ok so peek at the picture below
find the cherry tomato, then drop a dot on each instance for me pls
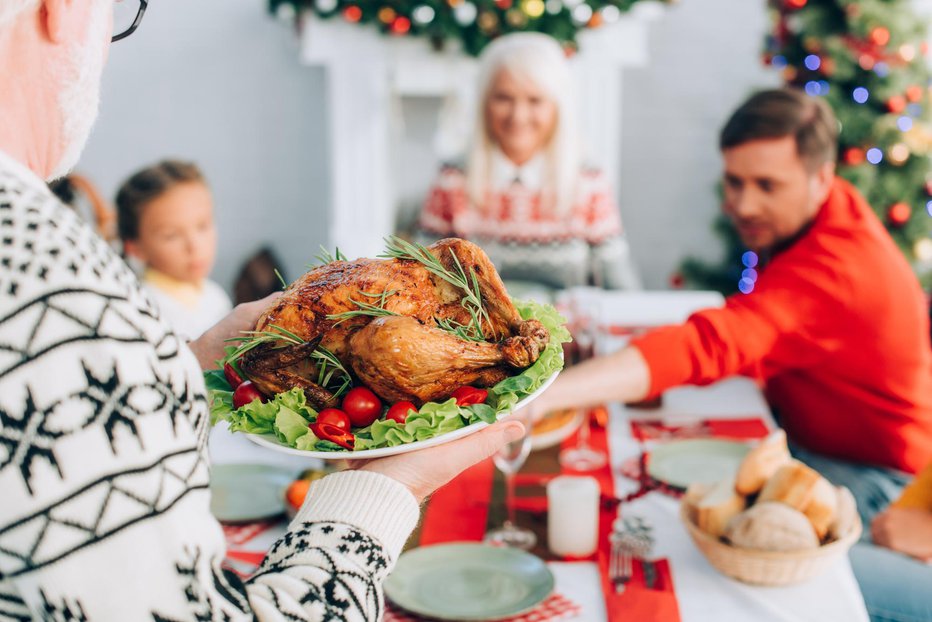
(466, 396)
(399, 411)
(362, 405)
(335, 417)
(232, 376)
(246, 393)
(327, 432)
(296, 493)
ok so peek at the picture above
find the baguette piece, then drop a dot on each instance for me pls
(694, 494)
(772, 526)
(761, 463)
(793, 484)
(719, 506)
(822, 508)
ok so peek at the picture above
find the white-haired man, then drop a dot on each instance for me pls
(103, 464)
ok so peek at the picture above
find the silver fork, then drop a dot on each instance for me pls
(635, 536)
(620, 565)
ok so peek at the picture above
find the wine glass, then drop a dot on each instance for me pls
(583, 457)
(509, 460)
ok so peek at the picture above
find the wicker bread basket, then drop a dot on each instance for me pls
(768, 567)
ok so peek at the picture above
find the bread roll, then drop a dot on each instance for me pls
(719, 506)
(793, 484)
(822, 508)
(761, 463)
(772, 526)
(694, 494)
(846, 515)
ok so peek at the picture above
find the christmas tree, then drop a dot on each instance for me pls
(470, 23)
(867, 59)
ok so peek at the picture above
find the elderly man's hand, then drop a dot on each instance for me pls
(906, 530)
(210, 346)
(424, 471)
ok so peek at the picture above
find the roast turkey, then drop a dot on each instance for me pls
(407, 351)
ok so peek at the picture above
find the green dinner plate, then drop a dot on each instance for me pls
(247, 492)
(680, 463)
(467, 581)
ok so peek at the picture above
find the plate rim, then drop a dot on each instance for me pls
(270, 441)
(689, 441)
(474, 545)
(270, 470)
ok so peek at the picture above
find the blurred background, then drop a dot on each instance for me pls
(316, 131)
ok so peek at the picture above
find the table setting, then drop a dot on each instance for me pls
(583, 525)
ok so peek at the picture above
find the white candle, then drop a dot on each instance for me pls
(573, 515)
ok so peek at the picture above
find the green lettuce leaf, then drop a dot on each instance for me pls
(287, 415)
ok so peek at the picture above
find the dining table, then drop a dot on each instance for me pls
(701, 592)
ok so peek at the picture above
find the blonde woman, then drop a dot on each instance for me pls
(525, 195)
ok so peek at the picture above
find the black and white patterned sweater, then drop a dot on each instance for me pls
(103, 456)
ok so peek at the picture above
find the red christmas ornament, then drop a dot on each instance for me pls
(914, 93)
(896, 104)
(352, 14)
(401, 25)
(795, 4)
(880, 36)
(677, 281)
(854, 156)
(503, 4)
(899, 214)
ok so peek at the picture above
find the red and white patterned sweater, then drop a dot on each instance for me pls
(527, 242)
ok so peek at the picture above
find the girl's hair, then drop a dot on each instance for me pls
(147, 185)
(539, 59)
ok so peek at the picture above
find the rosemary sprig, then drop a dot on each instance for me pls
(396, 248)
(324, 256)
(254, 338)
(463, 332)
(281, 279)
(329, 365)
(365, 308)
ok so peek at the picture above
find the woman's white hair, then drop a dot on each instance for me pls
(539, 59)
(10, 9)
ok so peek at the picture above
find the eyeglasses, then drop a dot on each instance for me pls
(127, 14)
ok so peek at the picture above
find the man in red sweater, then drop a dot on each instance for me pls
(836, 327)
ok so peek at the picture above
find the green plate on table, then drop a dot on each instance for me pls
(242, 493)
(467, 581)
(680, 463)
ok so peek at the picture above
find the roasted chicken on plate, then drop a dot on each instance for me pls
(390, 322)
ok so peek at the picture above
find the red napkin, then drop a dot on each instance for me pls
(748, 428)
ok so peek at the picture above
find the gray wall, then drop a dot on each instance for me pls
(219, 82)
(704, 59)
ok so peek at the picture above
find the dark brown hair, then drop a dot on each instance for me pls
(786, 112)
(147, 185)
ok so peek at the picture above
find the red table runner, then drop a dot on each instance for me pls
(468, 506)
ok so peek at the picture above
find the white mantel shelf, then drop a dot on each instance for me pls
(368, 73)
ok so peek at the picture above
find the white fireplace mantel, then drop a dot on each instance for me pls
(368, 74)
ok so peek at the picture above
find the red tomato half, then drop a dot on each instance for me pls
(335, 417)
(327, 432)
(399, 411)
(232, 376)
(467, 396)
(246, 393)
(362, 405)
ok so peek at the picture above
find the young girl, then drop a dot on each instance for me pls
(165, 220)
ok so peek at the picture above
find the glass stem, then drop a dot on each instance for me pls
(510, 497)
(582, 440)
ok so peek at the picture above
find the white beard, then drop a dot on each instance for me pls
(79, 97)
